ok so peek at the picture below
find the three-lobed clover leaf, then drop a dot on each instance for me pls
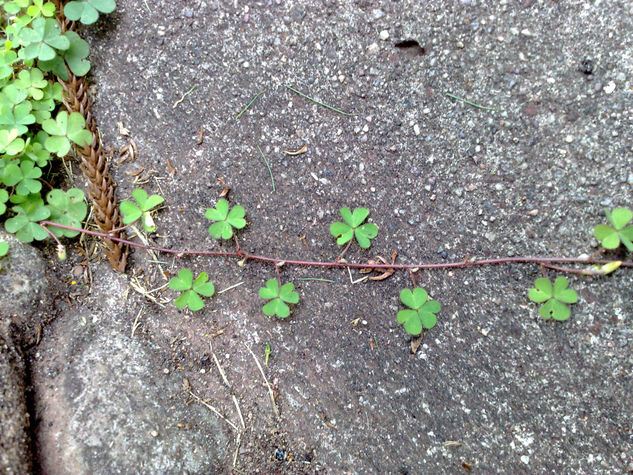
(422, 311)
(42, 39)
(554, 298)
(7, 58)
(611, 236)
(75, 57)
(67, 208)
(63, 128)
(25, 176)
(36, 152)
(226, 220)
(14, 6)
(87, 11)
(10, 142)
(280, 298)
(42, 109)
(25, 223)
(191, 289)
(39, 7)
(353, 227)
(132, 212)
(15, 111)
(32, 81)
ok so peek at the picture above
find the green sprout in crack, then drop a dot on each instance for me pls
(611, 236)
(421, 312)
(280, 298)
(191, 289)
(353, 227)
(225, 220)
(553, 298)
(132, 212)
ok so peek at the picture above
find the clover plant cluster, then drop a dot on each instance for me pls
(420, 312)
(34, 127)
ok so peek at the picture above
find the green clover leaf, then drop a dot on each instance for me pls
(554, 297)
(24, 175)
(75, 56)
(4, 248)
(280, 297)
(42, 40)
(611, 236)
(4, 196)
(15, 6)
(42, 109)
(40, 8)
(66, 208)
(17, 116)
(36, 152)
(63, 128)
(191, 290)
(87, 11)
(7, 58)
(13, 95)
(226, 220)
(132, 212)
(32, 81)
(422, 313)
(25, 223)
(353, 227)
(10, 143)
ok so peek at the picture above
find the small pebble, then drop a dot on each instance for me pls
(384, 35)
(416, 129)
(154, 433)
(609, 88)
(526, 32)
(569, 139)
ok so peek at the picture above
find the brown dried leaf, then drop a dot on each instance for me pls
(200, 136)
(122, 130)
(171, 169)
(383, 276)
(300, 151)
(415, 344)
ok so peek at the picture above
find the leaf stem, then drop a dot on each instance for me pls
(338, 259)
(352, 265)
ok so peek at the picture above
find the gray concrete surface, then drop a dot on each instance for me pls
(493, 387)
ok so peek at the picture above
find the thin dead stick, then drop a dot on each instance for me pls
(270, 389)
(136, 324)
(202, 402)
(228, 288)
(238, 441)
(226, 382)
(241, 254)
